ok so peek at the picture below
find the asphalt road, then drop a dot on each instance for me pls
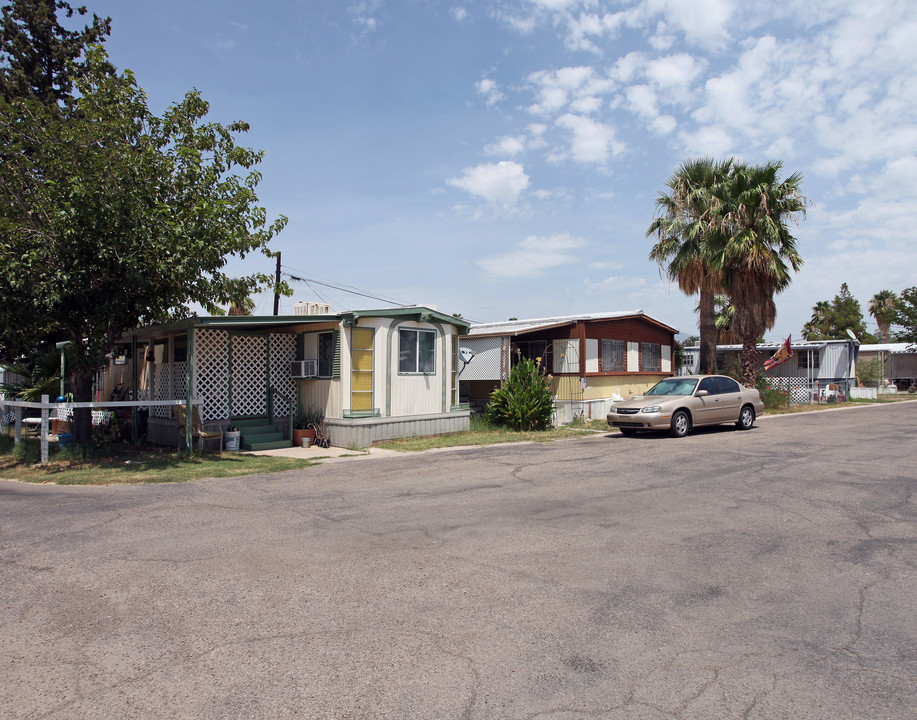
(756, 575)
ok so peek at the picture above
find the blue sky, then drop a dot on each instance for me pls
(502, 159)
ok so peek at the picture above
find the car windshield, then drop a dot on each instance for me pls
(674, 386)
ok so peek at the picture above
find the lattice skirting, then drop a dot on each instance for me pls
(798, 387)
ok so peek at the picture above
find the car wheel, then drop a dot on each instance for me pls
(746, 418)
(680, 424)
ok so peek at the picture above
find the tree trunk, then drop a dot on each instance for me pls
(81, 382)
(707, 327)
(884, 327)
(749, 361)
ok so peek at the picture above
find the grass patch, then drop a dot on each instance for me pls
(483, 432)
(128, 465)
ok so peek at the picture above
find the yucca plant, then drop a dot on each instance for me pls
(525, 401)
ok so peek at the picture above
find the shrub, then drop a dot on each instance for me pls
(525, 401)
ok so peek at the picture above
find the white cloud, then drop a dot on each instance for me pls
(364, 16)
(581, 87)
(507, 146)
(708, 141)
(459, 13)
(674, 74)
(533, 256)
(488, 88)
(592, 141)
(499, 184)
(703, 22)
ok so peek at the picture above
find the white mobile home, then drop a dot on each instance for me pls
(376, 374)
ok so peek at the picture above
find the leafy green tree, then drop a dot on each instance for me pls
(757, 252)
(869, 372)
(906, 315)
(882, 307)
(525, 401)
(687, 218)
(38, 56)
(830, 321)
(111, 217)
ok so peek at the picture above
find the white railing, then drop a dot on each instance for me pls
(46, 407)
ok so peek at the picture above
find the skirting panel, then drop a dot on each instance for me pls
(363, 432)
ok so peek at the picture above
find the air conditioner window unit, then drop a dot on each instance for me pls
(304, 368)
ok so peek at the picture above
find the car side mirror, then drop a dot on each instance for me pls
(702, 393)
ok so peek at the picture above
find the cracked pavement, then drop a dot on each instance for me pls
(749, 575)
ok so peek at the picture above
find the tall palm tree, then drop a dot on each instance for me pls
(686, 218)
(884, 308)
(758, 252)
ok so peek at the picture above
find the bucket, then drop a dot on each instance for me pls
(232, 440)
(306, 442)
(63, 439)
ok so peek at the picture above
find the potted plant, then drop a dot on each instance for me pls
(305, 424)
(322, 439)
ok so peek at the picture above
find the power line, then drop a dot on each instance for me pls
(343, 288)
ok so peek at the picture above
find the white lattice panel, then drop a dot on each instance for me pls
(168, 384)
(283, 352)
(211, 382)
(798, 387)
(249, 375)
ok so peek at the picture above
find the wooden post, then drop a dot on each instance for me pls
(189, 391)
(44, 429)
(277, 287)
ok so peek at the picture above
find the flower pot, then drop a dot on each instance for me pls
(298, 436)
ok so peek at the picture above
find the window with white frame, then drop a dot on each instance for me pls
(650, 357)
(807, 359)
(416, 351)
(614, 355)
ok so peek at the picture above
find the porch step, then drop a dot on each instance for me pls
(271, 445)
(259, 435)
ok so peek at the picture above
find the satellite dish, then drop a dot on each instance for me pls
(852, 336)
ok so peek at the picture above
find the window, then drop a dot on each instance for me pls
(650, 357)
(614, 356)
(805, 357)
(708, 384)
(325, 354)
(361, 369)
(531, 349)
(417, 351)
(726, 385)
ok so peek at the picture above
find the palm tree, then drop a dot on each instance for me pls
(884, 308)
(818, 325)
(758, 251)
(236, 292)
(686, 218)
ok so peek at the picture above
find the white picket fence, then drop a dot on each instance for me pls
(864, 393)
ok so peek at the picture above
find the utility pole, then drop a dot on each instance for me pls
(277, 288)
